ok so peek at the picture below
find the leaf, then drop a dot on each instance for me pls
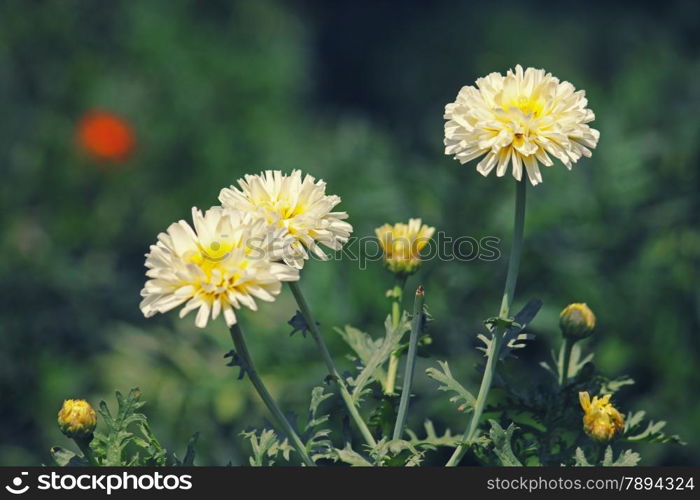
(627, 458)
(513, 338)
(110, 446)
(389, 452)
(349, 456)
(379, 355)
(188, 460)
(383, 416)
(464, 399)
(155, 454)
(576, 362)
(580, 459)
(432, 440)
(316, 438)
(129, 440)
(236, 360)
(611, 386)
(62, 458)
(652, 433)
(298, 324)
(501, 444)
(266, 447)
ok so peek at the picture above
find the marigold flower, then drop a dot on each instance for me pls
(77, 419)
(601, 421)
(224, 263)
(520, 119)
(402, 244)
(105, 136)
(300, 205)
(577, 321)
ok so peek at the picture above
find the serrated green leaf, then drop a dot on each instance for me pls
(464, 399)
(316, 438)
(266, 447)
(383, 349)
(501, 444)
(62, 458)
(628, 458)
(580, 459)
(432, 439)
(349, 456)
(635, 430)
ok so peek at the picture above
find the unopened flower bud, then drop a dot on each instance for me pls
(601, 420)
(402, 245)
(577, 321)
(77, 419)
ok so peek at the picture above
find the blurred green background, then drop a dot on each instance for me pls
(352, 92)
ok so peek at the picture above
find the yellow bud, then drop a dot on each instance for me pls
(577, 321)
(402, 244)
(77, 419)
(601, 420)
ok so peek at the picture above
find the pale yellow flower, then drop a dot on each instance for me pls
(77, 419)
(402, 244)
(601, 421)
(298, 204)
(224, 263)
(521, 119)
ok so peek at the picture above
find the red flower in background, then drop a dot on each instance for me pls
(105, 136)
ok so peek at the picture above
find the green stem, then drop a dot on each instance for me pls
(330, 365)
(283, 423)
(84, 445)
(416, 328)
(397, 294)
(568, 346)
(506, 302)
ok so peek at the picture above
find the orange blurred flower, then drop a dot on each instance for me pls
(105, 136)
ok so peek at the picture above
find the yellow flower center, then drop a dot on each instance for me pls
(527, 105)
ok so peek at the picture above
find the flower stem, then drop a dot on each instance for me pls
(568, 346)
(397, 294)
(84, 445)
(506, 302)
(330, 364)
(249, 367)
(416, 328)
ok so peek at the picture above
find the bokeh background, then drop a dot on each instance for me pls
(352, 92)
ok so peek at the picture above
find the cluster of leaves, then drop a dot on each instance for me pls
(127, 440)
(543, 423)
(528, 424)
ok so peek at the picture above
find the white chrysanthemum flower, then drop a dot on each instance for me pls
(521, 119)
(297, 204)
(224, 263)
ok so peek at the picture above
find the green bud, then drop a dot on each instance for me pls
(577, 321)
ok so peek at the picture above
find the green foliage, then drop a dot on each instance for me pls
(652, 433)
(627, 458)
(464, 399)
(316, 434)
(374, 354)
(213, 90)
(432, 440)
(266, 447)
(127, 441)
(501, 439)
